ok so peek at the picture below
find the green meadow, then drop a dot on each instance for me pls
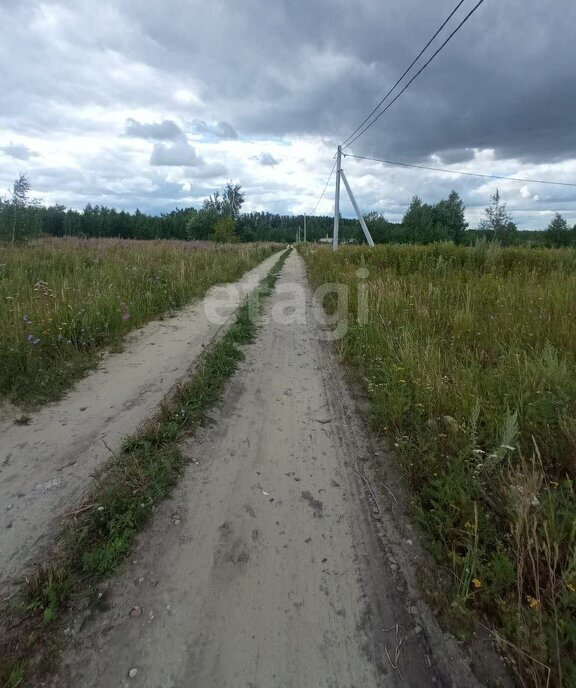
(468, 356)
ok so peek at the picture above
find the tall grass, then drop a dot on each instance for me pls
(63, 301)
(469, 359)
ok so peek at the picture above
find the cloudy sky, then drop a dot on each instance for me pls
(140, 103)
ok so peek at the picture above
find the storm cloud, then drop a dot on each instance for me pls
(118, 96)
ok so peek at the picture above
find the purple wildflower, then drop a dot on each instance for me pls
(125, 313)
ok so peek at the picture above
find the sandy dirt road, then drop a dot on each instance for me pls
(46, 465)
(264, 570)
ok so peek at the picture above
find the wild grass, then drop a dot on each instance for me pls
(99, 533)
(469, 359)
(64, 301)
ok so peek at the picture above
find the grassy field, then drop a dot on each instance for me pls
(469, 359)
(63, 301)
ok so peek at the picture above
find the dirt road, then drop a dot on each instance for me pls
(265, 570)
(45, 465)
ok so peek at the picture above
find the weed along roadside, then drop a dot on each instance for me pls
(468, 357)
(98, 533)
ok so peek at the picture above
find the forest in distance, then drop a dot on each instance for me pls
(221, 219)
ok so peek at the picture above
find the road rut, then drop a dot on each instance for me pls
(264, 570)
(46, 465)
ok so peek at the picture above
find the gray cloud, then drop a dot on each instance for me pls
(18, 151)
(217, 130)
(266, 159)
(180, 154)
(167, 130)
(456, 155)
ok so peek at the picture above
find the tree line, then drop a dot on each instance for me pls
(221, 219)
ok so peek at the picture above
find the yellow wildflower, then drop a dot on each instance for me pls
(533, 602)
(476, 583)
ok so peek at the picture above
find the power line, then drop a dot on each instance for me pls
(365, 129)
(467, 174)
(325, 187)
(407, 70)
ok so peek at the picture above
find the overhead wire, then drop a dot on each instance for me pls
(407, 70)
(366, 124)
(460, 25)
(325, 187)
(460, 172)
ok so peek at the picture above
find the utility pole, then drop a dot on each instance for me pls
(358, 213)
(340, 175)
(304, 228)
(337, 199)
